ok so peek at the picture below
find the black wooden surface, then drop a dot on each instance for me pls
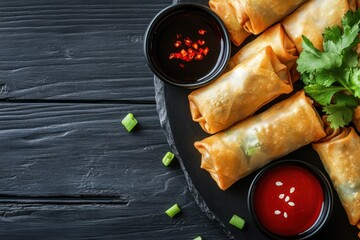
(69, 72)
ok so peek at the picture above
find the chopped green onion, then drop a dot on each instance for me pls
(129, 122)
(168, 158)
(171, 212)
(237, 221)
(198, 238)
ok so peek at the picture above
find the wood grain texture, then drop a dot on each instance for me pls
(69, 72)
(75, 49)
(72, 171)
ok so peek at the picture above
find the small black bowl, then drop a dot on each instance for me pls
(326, 207)
(174, 31)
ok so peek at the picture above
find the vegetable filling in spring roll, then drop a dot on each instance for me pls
(339, 152)
(238, 93)
(244, 17)
(238, 151)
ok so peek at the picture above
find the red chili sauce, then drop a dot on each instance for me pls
(288, 200)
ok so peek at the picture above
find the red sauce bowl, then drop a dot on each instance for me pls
(290, 199)
(187, 45)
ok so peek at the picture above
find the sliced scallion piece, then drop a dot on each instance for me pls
(169, 156)
(237, 221)
(129, 122)
(198, 238)
(171, 212)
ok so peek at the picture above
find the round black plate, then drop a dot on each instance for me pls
(182, 132)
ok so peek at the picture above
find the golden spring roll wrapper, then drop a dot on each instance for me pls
(231, 18)
(264, 13)
(238, 151)
(240, 92)
(276, 38)
(245, 17)
(340, 155)
(313, 17)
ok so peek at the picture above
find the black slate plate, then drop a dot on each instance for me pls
(182, 132)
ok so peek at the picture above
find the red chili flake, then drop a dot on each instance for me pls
(202, 32)
(187, 41)
(171, 56)
(183, 52)
(201, 42)
(186, 59)
(206, 50)
(177, 44)
(194, 52)
(191, 55)
(198, 57)
(195, 46)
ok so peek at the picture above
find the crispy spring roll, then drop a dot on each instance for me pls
(276, 38)
(238, 93)
(238, 151)
(227, 10)
(339, 152)
(245, 17)
(313, 17)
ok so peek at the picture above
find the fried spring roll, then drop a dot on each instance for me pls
(339, 152)
(227, 10)
(276, 38)
(238, 151)
(313, 17)
(245, 17)
(238, 93)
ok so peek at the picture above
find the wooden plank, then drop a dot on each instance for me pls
(65, 149)
(72, 171)
(75, 49)
(141, 220)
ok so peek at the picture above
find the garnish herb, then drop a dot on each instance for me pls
(171, 212)
(169, 156)
(129, 122)
(332, 76)
(237, 221)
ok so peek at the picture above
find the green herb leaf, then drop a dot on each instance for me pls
(332, 35)
(322, 94)
(342, 99)
(338, 115)
(311, 59)
(354, 80)
(332, 77)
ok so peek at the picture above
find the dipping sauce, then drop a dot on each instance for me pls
(195, 36)
(288, 200)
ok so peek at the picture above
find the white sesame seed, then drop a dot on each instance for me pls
(285, 215)
(291, 204)
(278, 183)
(277, 212)
(281, 196)
(287, 198)
(292, 190)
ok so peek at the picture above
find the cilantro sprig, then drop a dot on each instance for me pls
(332, 76)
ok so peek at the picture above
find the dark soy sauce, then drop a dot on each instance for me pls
(187, 23)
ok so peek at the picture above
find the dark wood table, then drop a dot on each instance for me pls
(70, 71)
